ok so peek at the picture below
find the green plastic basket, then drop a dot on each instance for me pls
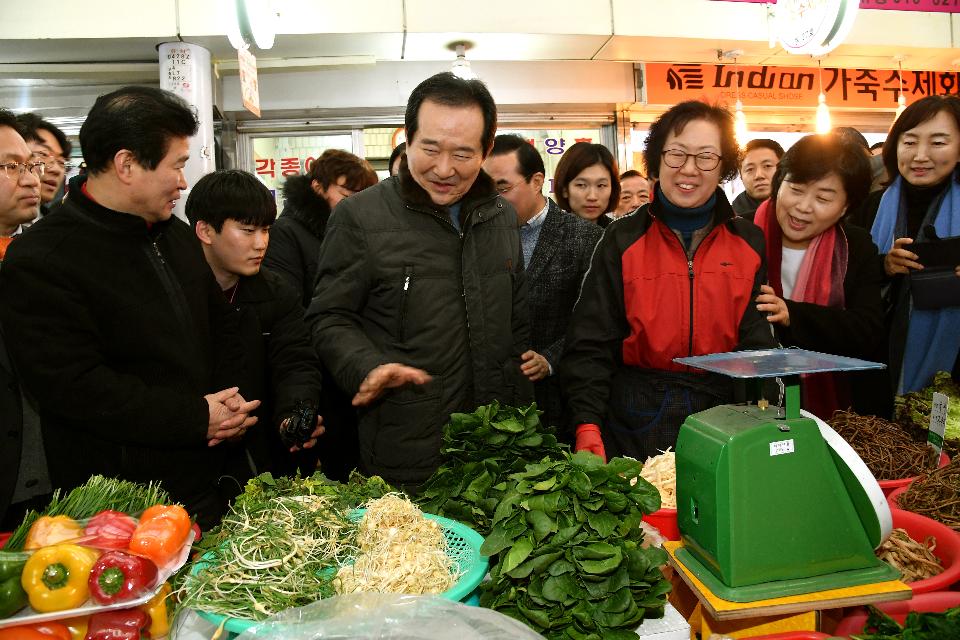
(463, 546)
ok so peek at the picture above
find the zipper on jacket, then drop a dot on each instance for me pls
(174, 292)
(402, 333)
(690, 273)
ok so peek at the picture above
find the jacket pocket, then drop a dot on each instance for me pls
(408, 427)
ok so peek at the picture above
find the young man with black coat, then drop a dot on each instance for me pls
(231, 213)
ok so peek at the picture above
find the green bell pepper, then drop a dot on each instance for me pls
(12, 596)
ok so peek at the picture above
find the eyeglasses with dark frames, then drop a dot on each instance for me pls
(705, 160)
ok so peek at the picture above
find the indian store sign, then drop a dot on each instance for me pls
(938, 6)
(669, 84)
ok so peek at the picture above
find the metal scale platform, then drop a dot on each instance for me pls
(771, 502)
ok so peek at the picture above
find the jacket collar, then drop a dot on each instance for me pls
(305, 206)
(481, 191)
(115, 221)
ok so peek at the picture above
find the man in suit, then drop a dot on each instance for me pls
(556, 251)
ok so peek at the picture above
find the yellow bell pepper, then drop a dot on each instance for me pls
(156, 608)
(77, 627)
(55, 578)
(49, 530)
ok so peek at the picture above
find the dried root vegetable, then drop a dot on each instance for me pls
(886, 448)
(661, 472)
(913, 559)
(936, 495)
(401, 551)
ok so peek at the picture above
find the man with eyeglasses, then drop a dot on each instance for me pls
(24, 478)
(556, 253)
(50, 146)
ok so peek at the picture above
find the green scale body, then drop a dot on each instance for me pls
(766, 509)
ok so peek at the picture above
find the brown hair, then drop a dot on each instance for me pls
(576, 159)
(334, 163)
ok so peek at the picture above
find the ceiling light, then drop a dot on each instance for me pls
(251, 22)
(461, 66)
(823, 112)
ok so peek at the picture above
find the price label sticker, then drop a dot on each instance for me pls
(938, 421)
(781, 447)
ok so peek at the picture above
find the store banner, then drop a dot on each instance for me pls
(936, 6)
(771, 86)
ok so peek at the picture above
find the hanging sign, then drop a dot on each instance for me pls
(933, 6)
(771, 86)
(249, 89)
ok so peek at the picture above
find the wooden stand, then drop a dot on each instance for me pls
(712, 614)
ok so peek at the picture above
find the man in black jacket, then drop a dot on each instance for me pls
(420, 303)
(556, 251)
(231, 213)
(116, 324)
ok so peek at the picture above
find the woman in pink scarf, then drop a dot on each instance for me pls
(825, 276)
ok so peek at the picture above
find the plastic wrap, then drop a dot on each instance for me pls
(376, 616)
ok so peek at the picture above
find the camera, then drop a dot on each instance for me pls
(301, 424)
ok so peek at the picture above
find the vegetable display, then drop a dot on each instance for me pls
(889, 451)
(661, 472)
(917, 626)
(55, 578)
(936, 495)
(89, 499)
(570, 562)
(914, 560)
(912, 410)
(480, 451)
(401, 551)
(279, 547)
(118, 576)
(12, 596)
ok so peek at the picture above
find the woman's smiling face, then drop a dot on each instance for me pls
(689, 186)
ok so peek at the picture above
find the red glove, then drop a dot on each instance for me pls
(588, 439)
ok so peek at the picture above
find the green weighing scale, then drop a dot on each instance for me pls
(771, 501)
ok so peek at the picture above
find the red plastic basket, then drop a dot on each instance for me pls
(666, 521)
(922, 603)
(947, 549)
(889, 486)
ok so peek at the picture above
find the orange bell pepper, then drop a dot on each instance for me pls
(38, 631)
(162, 531)
(50, 530)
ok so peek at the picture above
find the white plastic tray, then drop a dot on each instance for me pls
(29, 616)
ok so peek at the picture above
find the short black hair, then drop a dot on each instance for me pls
(142, 120)
(817, 155)
(7, 119)
(678, 117)
(761, 143)
(529, 160)
(577, 158)
(876, 145)
(449, 90)
(230, 195)
(913, 116)
(397, 151)
(631, 173)
(853, 135)
(32, 123)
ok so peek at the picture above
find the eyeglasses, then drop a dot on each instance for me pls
(15, 170)
(53, 161)
(706, 161)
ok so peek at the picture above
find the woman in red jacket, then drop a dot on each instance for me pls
(676, 278)
(825, 276)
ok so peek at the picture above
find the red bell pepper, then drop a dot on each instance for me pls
(122, 624)
(37, 631)
(161, 533)
(109, 530)
(118, 576)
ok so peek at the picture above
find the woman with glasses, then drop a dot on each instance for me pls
(824, 275)
(676, 278)
(585, 182)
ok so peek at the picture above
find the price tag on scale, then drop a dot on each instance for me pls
(938, 421)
